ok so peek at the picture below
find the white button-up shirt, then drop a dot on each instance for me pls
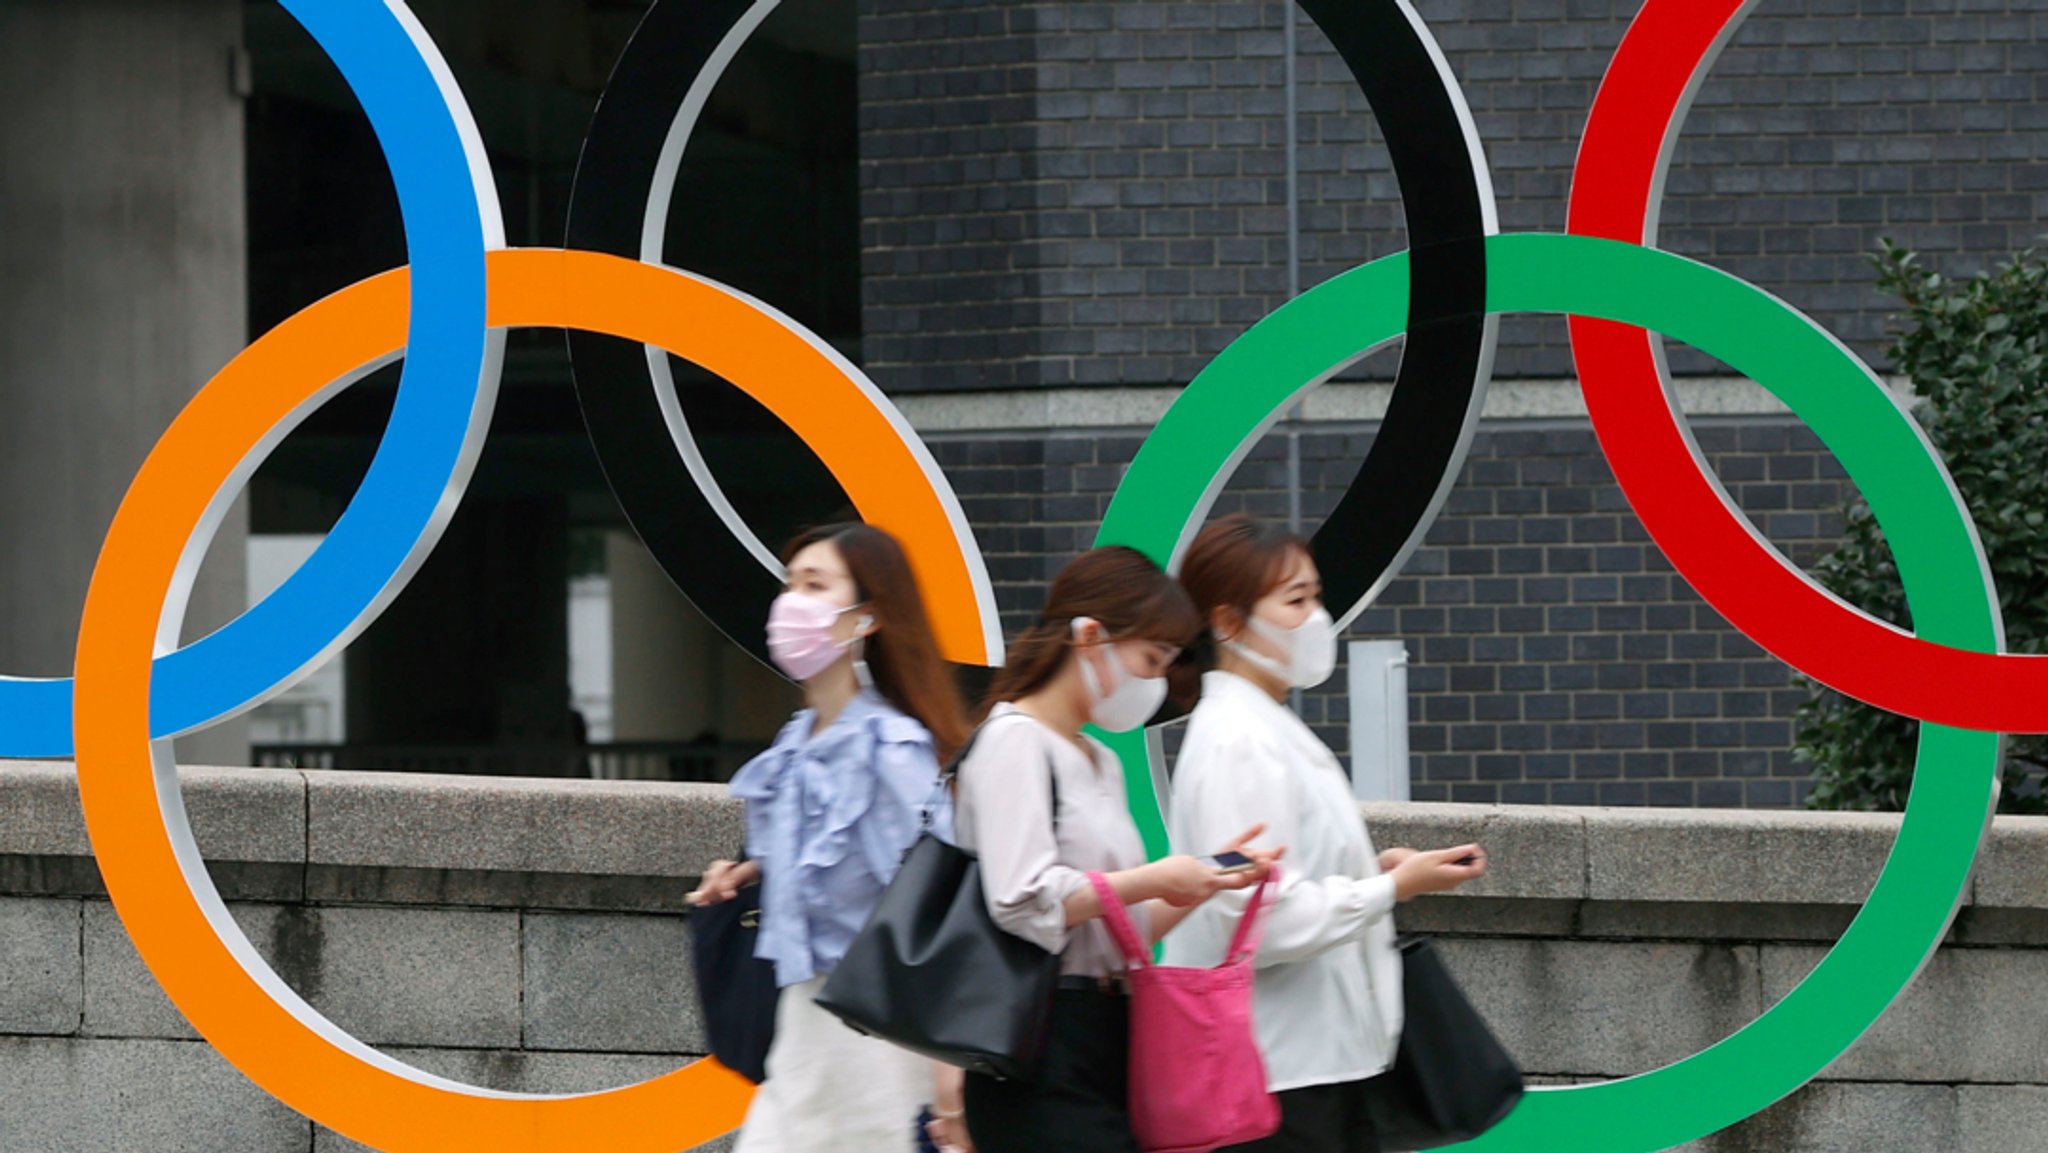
(1328, 1001)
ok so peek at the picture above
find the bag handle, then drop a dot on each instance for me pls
(1243, 944)
(951, 772)
(947, 773)
(1118, 919)
(1251, 927)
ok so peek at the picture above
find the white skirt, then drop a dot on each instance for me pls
(832, 1090)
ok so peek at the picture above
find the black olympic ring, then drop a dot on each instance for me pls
(635, 142)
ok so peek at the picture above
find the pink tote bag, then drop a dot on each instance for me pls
(1197, 1079)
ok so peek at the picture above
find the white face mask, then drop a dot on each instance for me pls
(1127, 705)
(1311, 649)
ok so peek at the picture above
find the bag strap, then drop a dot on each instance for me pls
(1052, 776)
(1243, 944)
(1250, 927)
(951, 771)
(947, 773)
(1118, 919)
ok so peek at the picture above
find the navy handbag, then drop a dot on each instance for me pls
(737, 988)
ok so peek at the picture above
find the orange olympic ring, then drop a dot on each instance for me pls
(130, 791)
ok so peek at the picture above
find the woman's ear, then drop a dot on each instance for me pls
(1088, 631)
(864, 625)
(1225, 621)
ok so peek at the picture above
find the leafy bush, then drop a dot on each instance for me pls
(1974, 349)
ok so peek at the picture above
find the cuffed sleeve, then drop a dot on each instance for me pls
(1007, 791)
(1312, 916)
(1243, 781)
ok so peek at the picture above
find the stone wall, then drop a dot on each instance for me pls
(530, 935)
(523, 936)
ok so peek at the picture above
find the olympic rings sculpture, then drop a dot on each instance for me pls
(446, 314)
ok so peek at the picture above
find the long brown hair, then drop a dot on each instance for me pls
(1233, 563)
(1117, 586)
(901, 654)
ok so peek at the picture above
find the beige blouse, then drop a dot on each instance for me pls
(1004, 816)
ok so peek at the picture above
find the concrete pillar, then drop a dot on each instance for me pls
(122, 291)
(674, 677)
(757, 700)
(665, 683)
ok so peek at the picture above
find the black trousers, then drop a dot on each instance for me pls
(1080, 1100)
(1319, 1119)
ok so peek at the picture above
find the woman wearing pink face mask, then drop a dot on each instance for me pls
(1043, 806)
(832, 806)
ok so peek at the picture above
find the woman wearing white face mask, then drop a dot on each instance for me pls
(1328, 1001)
(1043, 805)
(832, 806)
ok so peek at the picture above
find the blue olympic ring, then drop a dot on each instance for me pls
(445, 396)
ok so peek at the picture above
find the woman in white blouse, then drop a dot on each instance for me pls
(1328, 1001)
(1043, 805)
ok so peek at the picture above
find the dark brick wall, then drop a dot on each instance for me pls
(950, 193)
(1096, 192)
(1555, 657)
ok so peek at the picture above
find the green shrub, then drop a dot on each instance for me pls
(1974, 350)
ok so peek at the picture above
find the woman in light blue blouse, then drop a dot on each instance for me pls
(832, 806)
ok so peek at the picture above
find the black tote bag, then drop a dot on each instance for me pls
(737, 988)
(1451, 1079)
(932, 972)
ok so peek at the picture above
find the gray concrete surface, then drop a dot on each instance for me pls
(124, 248)
(530, 936)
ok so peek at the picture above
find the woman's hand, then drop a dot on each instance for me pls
(948, 1126)
(1185, 881)
(948, 1130)
(1390, 859)
(1262, 859)
(1181, 881)
(723, 881)
(1437, 871)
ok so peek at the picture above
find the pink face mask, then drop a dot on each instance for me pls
(800, 639)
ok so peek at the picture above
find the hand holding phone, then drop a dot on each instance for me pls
(1437, 871)
(1231, 863)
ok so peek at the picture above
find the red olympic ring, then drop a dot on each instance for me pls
(1615, 188)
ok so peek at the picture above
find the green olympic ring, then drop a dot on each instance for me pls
(1173, 481)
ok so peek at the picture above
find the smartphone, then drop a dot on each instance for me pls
(1232, 862)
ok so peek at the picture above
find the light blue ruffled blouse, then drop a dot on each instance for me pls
(829, 817)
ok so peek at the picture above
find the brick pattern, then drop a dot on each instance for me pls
(1824, 126)
(950, 192)
(1144, 228)
(1095, 192)
(1555, 656)
(1164, 123)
